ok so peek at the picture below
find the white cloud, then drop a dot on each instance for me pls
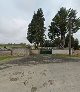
(26, 5)
(13, 29)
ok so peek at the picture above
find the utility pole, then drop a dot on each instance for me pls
(70, 37)
(69, 42)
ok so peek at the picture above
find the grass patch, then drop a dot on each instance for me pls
(4, 59)
(65, 56)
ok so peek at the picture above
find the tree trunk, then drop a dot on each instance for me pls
(63, 40)
(36, 45)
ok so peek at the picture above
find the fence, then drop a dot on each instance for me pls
(34, 52)
(61, 51)
(76, 52)
(5, 52)
(46, 51)
(17, 51)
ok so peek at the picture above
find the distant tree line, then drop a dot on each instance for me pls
(58, 31)
(56, 43)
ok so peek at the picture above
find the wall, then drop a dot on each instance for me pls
(5, 52)
(17, 51)
(20, 51)
(76, 52)
(25, 52)
(60, 51)
(34, 52)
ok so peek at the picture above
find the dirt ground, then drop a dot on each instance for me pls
(40, 74)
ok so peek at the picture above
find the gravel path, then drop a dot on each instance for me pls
(42, 59)
(36, 74)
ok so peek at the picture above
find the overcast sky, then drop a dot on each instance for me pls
(15, 15)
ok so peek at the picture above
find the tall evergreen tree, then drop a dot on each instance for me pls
(36, 29)
(73, 23)
(63, 21)
(58, 25)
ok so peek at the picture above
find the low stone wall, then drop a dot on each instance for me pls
(5, 52)
(76, 52)
(58, 51)
(16, 52)
(61, 51)
(20, 52)
(34, 52)
(25, 52)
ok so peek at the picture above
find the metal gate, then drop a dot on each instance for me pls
(45, 51)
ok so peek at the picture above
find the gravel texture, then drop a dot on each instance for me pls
(42, 73)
